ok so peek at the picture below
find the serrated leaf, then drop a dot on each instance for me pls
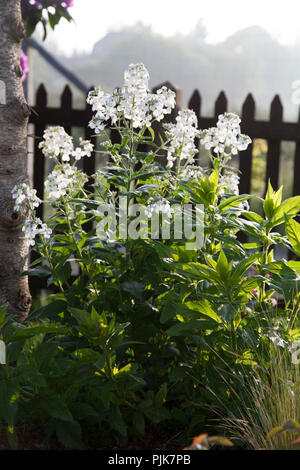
(70, 435)
(293, 233)
(138, 422)
(54, 405)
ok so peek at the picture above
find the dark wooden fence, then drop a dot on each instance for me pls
(66, 116)
(274, 131)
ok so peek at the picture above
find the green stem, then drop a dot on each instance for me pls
(77, 248)
(233, 336)
(47, 254)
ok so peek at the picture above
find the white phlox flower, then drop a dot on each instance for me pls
(133, 101)
(58, 144)
(190, 172)
(162, 205)
(24, 195)
(62, 180)
(182, 136)
(34, 227)
(226, 138)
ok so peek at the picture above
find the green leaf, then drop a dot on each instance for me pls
(85, 355)
(44, 354)
(16, 332)
(294, 265)
(272, 201)
(232, 201)
(150, 157)
(189, 327)
(198, 271)
(12, 437)
(214, 179)
(227, 312)
(289, 207)
(161, 396)
(249, 284)
(70, 435)
(169, 311)
(83, 410)
(9, 400)
(138, 423)
(3, 318)
(223, 267)
(117, 422)
(32, 19)
(53, 404)
(30, 375)
(134, 288)
(53, 19)
(152, 133)
(243, 266)
(253, 217)
(62, 271)
(82, 316)
(293, 233)
(40, 271)
(51, 311)
(204, 307)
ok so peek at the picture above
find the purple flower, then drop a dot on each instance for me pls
(24, 64)
(68, 3)
(46, 4)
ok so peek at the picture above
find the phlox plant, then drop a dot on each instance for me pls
(149, 335)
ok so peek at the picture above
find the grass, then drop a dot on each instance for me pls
(271, 397)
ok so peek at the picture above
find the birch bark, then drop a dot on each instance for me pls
(14, 113)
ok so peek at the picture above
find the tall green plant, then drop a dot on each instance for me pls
(154, 322)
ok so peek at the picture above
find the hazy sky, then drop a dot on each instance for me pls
(94, 18)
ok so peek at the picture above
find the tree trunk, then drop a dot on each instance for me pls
(14, 113)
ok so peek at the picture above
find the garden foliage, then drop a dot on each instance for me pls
(150, 335)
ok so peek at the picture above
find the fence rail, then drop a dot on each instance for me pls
(274, 131)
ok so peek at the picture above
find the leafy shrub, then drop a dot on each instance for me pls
(153, 330)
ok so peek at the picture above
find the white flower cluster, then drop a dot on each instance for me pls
(62, 180)
(57, 143)
(23, 194)
(84, 150)
(182, 136)
(191, 172)
(133, 101)
(226, 138)
(34, 227)
(161, 205)
(229, 183)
